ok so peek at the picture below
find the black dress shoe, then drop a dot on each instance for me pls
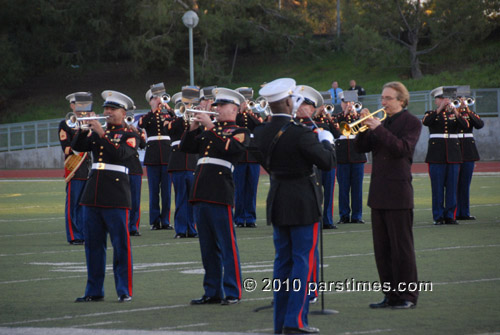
(406, 304)
(383, 304)
(229, 301)
(124, 298)
(329, 226)
(77, 242)
(135, 233)
(438, 222)
(166, 227)
(357, 221)
(193, 235)
(89, 298)
(465, 218)
(343, 220)
(180, 236)
(450, 221)
(240, 225)
(251, 225)
(155, 227)
(206, 300)
(305, 330)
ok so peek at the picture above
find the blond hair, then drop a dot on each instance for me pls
(402, 91)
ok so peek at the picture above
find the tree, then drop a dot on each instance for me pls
(422, 26)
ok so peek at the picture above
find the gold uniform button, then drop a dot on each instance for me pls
(117, 179)
(220, 172)
(102, 147)
(100, 154)
(208, 147)
(206, 153)
(100, 159)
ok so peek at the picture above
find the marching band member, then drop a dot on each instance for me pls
(289, 152)
(350, 164)
(247, 170)
(181, 167)
(392, 143)
(156, 160)
(469, 156)
(324, 120)
(107, 197)
(219, 145)
(443, 154)
(135, 173)
(76, 170)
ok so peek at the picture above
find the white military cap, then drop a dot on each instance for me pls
(311, 96)
(177, 97)
(349, 96)
(207, 92)
(156, 90)
(227, 96)
(278, 89)
(71, 97)
(444, 92)
(149, 95)
(247, 92)
(437, 92)
(116, 99)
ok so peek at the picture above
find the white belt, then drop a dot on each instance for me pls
(216, 161)
(174, 143)
(109, 167)
(465, 135)
(351, 137)
(443, 136)
(159, 138)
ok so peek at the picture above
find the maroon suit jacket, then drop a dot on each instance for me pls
(392, 145)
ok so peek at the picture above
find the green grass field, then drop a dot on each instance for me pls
(41, 274)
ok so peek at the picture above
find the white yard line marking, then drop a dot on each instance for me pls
(184, 326)
(156, 308)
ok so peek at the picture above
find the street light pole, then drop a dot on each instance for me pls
(190, 20)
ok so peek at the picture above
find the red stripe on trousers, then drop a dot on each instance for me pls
(235, 254)
(70, 223)
(311, 264)
(129, 255)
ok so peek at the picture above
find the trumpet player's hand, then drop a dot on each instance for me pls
(201, 119)
(443, 104)
(95, 126)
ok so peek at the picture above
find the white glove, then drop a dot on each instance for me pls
(325, 135)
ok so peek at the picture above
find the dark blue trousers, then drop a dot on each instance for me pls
(100, 222)
(444, 179)
(74, 213)
(219, 250)
(159, 182)
(294, 262)
(135, 211)
(183, 217)
(463, 191)
(328, 180)
(350, 179)
(246, 180)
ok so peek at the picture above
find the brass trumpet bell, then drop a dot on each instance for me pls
(357, 127)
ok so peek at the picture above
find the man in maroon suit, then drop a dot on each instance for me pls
(392, 143)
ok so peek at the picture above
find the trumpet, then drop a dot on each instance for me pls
(356, 127)
(165, 98)
(470, 101)
(455, 103)
(188, 113)
(76, 122)
(329, 109)
(129, 119)
(356, 105)
(260, 106)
